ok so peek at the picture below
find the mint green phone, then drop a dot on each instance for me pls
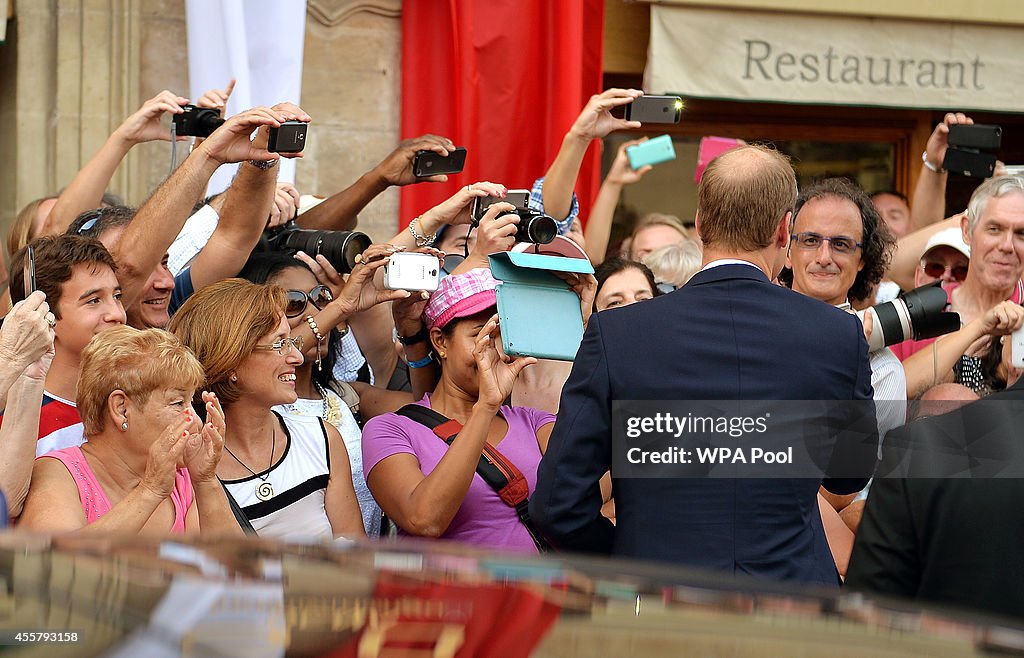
(652, 152)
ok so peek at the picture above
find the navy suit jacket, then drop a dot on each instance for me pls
(729, 334)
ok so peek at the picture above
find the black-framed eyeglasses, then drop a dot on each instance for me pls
(282, 345)
(320, 297)
(936, 270)
(90, 218)
(840, 244)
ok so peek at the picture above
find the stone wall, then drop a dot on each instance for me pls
(78, 67)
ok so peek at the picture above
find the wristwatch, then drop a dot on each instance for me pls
(417, 337)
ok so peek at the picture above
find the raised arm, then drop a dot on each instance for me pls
(599, 225)
(907, 255)
(451, 212)
(594, 122)
(247, 206)
(929, 200)
(86, 189)
(25, 337)
(159, 220)
(338, 212)
(20, 431)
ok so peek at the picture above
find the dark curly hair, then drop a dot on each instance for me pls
(878, 240)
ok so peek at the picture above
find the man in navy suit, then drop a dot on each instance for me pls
(729, 334)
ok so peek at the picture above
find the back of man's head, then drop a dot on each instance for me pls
(55, 259)
(742, 196)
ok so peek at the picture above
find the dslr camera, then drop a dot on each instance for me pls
(340, 248)
(197, 121)
(914, 315)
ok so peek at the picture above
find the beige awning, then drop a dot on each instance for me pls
(841, 60)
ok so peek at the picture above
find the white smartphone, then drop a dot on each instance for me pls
(1017, 349)
(412, 271)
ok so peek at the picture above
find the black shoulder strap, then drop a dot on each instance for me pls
(496, 470)
(423, 415)
(240, 516)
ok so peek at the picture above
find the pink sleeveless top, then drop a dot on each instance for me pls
(95, 501)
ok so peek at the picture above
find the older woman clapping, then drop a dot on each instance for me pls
(148, 466)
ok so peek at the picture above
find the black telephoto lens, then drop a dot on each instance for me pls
(340, 248)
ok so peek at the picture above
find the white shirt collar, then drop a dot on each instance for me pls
(731, 261)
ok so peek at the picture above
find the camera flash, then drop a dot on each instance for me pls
(679, 105)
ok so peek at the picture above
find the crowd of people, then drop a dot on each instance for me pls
(166, 371)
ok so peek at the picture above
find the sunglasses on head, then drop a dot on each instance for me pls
(297, 299)
(936, 270)
(90, 221)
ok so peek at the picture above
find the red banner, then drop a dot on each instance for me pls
(504, 78)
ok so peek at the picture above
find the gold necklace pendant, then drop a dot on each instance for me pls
(265, 491)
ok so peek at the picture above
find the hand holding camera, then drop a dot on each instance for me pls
(596, 120)
(359, 292)
(397, 168)
(938, 141)
(456, 209)
(286, 205)
(145, 125)
(26, 335)
(288, 138)
(230, 142)
(497, 231)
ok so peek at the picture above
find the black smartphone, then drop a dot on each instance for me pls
(30, 271)
(290, 137)
(429, 163)
(976, 136)
(655, 109)
(518, 198)
(969, 162)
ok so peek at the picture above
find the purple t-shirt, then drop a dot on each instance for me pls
(483, 519)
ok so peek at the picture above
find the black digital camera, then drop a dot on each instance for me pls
(535, 227)
(197, 121)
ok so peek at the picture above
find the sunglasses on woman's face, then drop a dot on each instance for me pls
(297, 299)
(936, 270)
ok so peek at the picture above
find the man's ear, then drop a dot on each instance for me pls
(696, 223)
(965, 228)
(782, 233)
